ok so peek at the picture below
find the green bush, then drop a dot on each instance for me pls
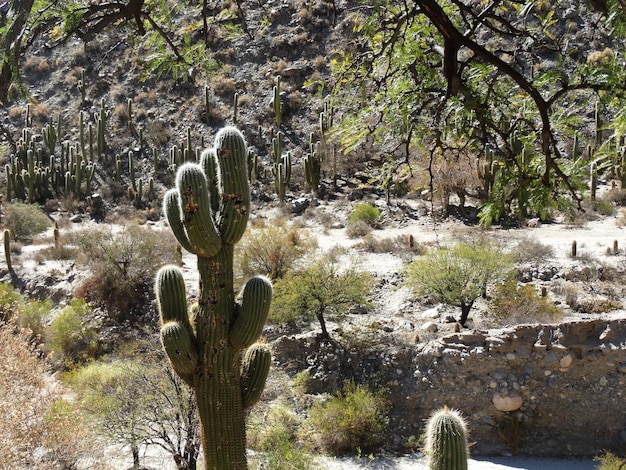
(512, 303)
(122, 266)
(356, 418)
(367, 213)
(25, 220)
(72, 337)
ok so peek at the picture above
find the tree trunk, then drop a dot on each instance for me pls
(320, 317)
(11, 43)
(135, 451)
(465, 311)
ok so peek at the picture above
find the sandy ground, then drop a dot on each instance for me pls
(477, 463)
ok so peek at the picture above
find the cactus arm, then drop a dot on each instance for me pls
(171, 295)
(171, 209)
(254, 300)
(208, 162)
(180, 348)
(232, 157)
(254, 371)
(195, 209)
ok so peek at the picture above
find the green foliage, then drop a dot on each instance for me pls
(72, 337)
(273, 435)
(33, 314)
(272, 248)
(610, 461)
(10, 300)
(522, 113)
(460, 274)
(25, 220)
(325, 287)
(512, 303)
(355, 418)
(122, 265)
(367, 213)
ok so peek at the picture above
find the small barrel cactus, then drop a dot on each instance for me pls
(211, 345)
(446, 440)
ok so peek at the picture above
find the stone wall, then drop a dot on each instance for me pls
(555, 390)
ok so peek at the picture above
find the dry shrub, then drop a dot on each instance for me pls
(598, 305)
(531, 251)
(512, 303)
(39, 429)
(272, 248)
(122, 266)
(401, 244)
(358, 229)
(223, 86)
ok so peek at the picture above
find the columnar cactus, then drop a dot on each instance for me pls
(210, 345)
(6, 234)
(446, 440)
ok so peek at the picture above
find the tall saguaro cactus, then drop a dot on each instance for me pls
(211, 345)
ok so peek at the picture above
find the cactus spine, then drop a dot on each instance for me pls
(210, 344)
(446, 440)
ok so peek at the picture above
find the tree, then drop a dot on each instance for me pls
(459, 275)
(141, 402)
(506, 82)
(22, 21)
(320, 289)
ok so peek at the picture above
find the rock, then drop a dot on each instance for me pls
(431, 313)
(566, 361)
(76, 219)
(300, 205)
(507, 403)
(337, 225)
(430, 327)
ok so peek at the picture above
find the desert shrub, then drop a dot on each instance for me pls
(460, 274)
(272, 248)
(358, 229)
(72, 337)
(401, 244)
(269, 429)
(322, 288)
(610, 461)
(531, 251)
(355, 418)
(122, 266)
(604, 207)
(301, 382)
(32, 315)
(9, 301)
(25, 220)
(512, 303)
(367, 213)
(597, 305)
(39, 429)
